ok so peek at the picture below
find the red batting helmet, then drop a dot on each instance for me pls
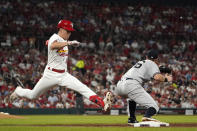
(66, 24)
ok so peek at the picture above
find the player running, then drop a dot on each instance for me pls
(131, 84)
(55, 72)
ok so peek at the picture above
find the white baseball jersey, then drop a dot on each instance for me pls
(132, 81)
(57, 58)
(142, 71)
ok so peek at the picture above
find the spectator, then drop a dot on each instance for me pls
(52, 98)
(118, 37)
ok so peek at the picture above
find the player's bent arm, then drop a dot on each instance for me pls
(58, 45)
(162, 78)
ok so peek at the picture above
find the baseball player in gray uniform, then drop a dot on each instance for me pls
(131, 86)
(55, 72)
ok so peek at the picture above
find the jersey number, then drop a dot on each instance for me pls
(138, 65)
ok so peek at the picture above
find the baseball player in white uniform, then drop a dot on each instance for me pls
(131, 86)
(55, 72)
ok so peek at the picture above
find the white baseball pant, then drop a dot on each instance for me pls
(135, 92)
(51, 79)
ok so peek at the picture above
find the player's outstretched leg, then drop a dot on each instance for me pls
(44, 84)
(98, 100)
(104, 103)
(73, 83)
(14, 96)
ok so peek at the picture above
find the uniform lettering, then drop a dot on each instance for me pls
(138, 65)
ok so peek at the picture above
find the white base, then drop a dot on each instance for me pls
(4, 113)
(151, 124)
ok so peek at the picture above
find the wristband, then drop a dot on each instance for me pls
(165, 80)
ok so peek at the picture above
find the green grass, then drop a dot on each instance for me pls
(92, 119)
(89, 119)
(92, 129)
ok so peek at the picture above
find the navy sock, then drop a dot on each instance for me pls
(150, 112)
(132, 108)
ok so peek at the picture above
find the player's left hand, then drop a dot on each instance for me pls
(169, 77)
(74, 43)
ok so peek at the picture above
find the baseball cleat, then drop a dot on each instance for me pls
(14, 96)
(18, 81)
(107, 101)
(149, 119)
(132, 121)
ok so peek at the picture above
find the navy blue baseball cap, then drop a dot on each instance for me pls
(152, 54)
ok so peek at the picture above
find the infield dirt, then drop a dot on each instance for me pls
(4, 116)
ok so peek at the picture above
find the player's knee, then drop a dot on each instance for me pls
(156, 108)
(34, 96)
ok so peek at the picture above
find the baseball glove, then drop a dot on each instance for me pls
(164, 69)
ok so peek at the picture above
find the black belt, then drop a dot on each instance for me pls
(133, 79)
(129, 79)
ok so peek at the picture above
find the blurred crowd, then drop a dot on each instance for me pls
(114, 36)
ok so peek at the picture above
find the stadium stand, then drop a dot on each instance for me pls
(114, 36)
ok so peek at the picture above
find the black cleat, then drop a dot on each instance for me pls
(132, 121)
(18, 81)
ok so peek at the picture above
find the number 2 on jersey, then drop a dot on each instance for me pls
(138, 65)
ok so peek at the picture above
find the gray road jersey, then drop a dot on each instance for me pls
(142, 71)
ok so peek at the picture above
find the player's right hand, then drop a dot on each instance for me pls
(47, 42)
(74, 43)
